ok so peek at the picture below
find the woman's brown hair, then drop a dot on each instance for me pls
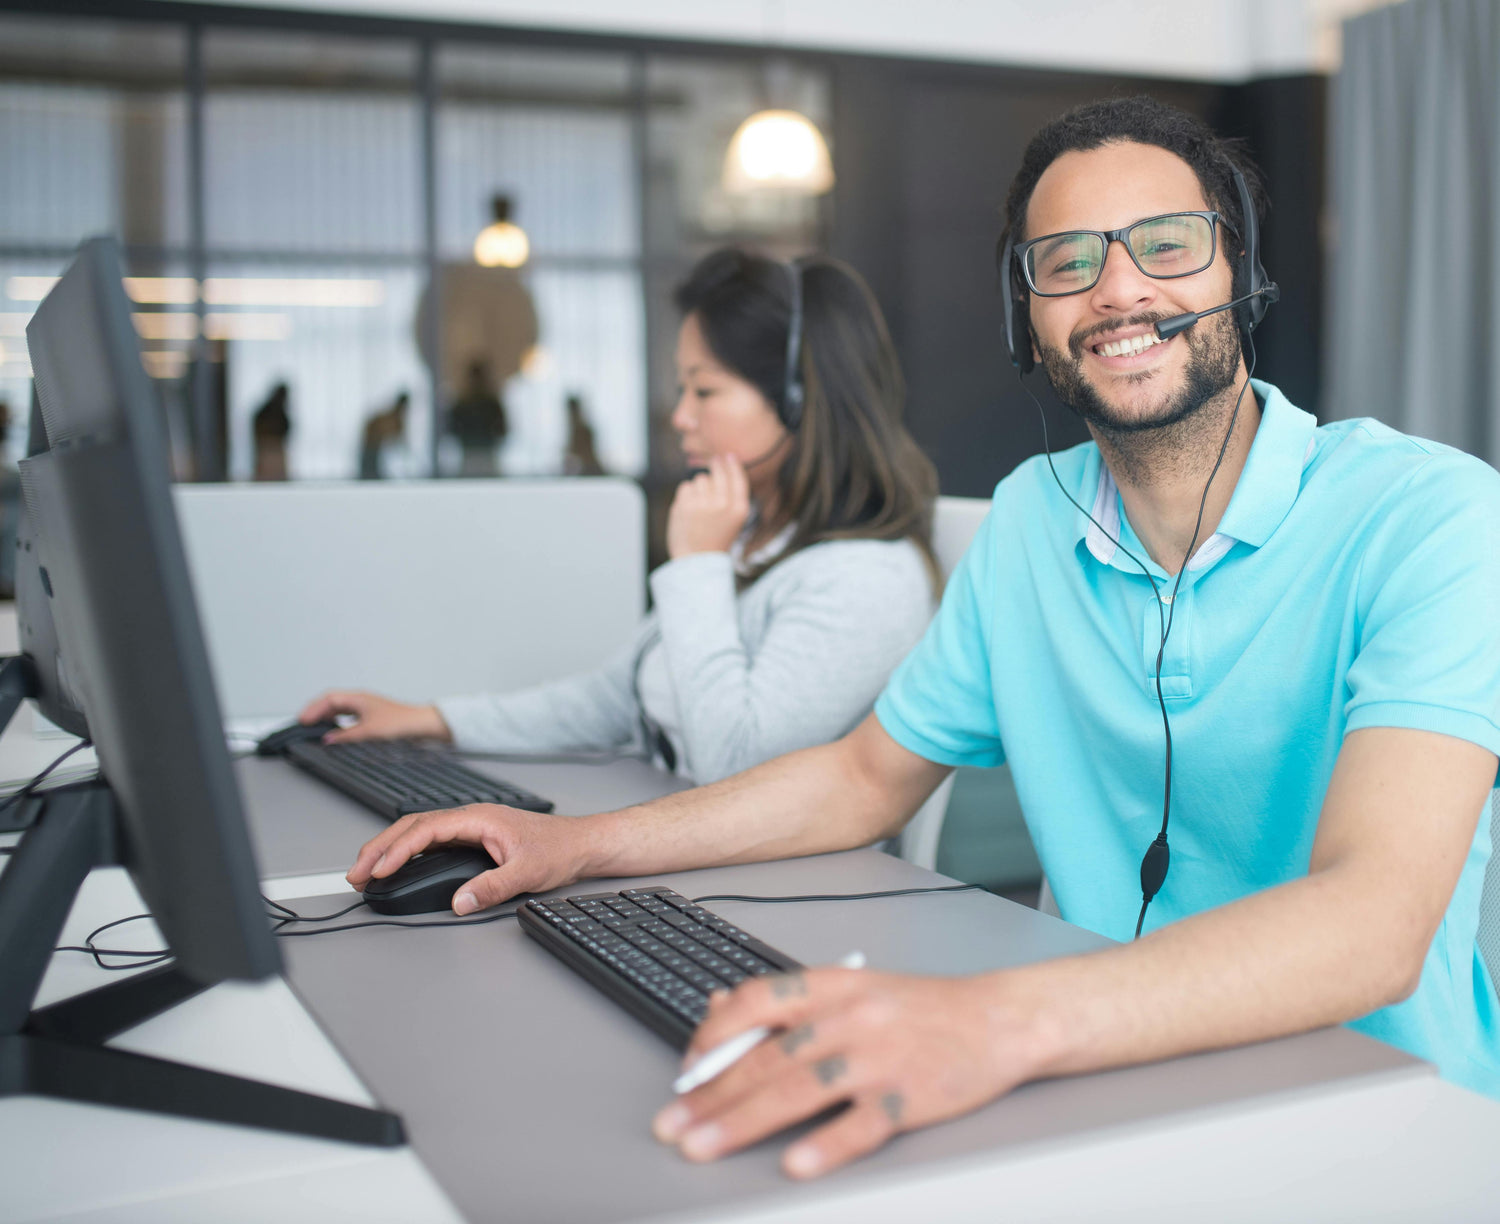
(851, 471)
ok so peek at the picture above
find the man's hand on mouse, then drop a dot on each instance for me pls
(533, 851)
(377, 717)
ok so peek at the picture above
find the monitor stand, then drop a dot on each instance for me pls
(59, 1051)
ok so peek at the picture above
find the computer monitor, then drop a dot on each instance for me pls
(167, 807)
(39, 671)
(47, 670)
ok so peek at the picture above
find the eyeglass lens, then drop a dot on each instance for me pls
(1175, 245)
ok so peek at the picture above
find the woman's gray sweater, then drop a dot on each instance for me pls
(795, 659)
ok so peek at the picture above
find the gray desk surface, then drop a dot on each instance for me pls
(529, 1095)
(300, 826)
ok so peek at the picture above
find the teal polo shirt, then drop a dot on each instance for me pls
(1354, 581)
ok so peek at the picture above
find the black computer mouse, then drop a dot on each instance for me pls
(279, 741)
(426, 883)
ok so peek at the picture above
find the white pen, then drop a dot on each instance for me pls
(723, 1056)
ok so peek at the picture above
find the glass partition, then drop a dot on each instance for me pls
(548, 138)
(313, 226)
(300, 212)
(92, 140)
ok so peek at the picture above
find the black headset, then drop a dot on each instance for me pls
(1250, 308)
(793, 394)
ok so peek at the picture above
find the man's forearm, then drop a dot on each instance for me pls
(808, 802)
(1306, 954)
(1346, 939)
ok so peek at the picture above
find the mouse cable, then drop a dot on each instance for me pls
(511, 913)
(391, 922)
(291, 916)
(140, 959)
(17, 796)
(156, 955)
(284, 919)
(287, 915)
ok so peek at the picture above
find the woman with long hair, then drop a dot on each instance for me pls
(801, 567)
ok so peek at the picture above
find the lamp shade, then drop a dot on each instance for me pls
(778, 150)
(502, 243)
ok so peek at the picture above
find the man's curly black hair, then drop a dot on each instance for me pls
(1143, 120)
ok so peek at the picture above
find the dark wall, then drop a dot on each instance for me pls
(1284, 121)
(925, 153)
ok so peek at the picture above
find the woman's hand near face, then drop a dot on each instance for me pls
(378, 718)
(710, 510)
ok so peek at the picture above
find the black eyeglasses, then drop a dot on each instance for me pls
(1172, 245)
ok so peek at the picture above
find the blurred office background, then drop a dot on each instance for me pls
(291, 183)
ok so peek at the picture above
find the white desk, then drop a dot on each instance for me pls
(65, 1162)
(1397, 1144)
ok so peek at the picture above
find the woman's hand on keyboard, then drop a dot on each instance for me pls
(533, 851)
(376, 717)
(902, 1051)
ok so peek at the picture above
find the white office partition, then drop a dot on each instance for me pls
(415, 589)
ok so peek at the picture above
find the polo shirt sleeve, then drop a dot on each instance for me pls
(939, 703)
(1428, 638)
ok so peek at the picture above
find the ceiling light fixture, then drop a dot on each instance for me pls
(502, 243)
(778, 150)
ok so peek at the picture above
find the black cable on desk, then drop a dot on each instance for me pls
(17, 796)
(288, 916)
(866, 896)
(283, 920)
(144, 959)
(391, 922)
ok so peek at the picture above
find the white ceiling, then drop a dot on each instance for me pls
(1203, 39)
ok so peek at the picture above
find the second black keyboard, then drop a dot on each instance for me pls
(396, 777)
(652, 951)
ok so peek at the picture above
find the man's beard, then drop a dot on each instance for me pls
(1143, 441)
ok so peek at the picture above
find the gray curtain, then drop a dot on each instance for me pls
(1414, 285)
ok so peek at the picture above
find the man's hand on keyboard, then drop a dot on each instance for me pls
(376, 717)
(904, 1052)
(534, 852)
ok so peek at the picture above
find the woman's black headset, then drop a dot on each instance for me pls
(793, 394)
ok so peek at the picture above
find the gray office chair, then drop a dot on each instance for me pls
(954, 522)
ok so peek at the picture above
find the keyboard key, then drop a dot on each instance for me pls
(654, 945)
(395, 777)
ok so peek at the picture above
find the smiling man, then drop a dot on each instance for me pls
(1331, 680)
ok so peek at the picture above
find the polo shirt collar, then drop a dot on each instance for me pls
(1267, 489)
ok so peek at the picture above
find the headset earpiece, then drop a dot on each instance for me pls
(1017, 311)
(1259, 283)
(793, 393)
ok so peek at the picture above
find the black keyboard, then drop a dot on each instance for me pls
(652, 951)
(394, 777)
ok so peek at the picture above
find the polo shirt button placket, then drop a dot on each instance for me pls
(1176, 664)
